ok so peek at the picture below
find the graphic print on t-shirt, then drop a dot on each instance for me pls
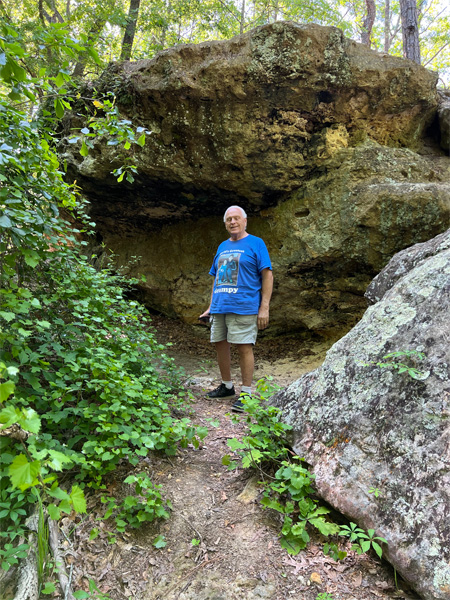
(228, 269)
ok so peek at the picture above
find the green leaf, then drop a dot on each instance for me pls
(234, 444)
(65, 506)
(84, 149)
(58, 493)
(49, 588)
(54, 512)
(141, 140)
(292, 545)
(8, 316)
(160, 542)
(78, 499)
(30, 421)
(32, 258)
(58, 460)
(59, 108)
(377, 549)
(6, 389)
(23, 473)
(324, 527)
(5, 221)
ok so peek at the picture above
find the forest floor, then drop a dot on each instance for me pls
(221, 544)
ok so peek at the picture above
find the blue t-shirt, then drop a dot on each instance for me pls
(237, 270)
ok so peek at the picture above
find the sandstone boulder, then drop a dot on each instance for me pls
(327, 240)
(316, 136)
(249, 119)
(444, 120)
(363, 426)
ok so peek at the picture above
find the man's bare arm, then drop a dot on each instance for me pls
(206, 313)
(266, 294)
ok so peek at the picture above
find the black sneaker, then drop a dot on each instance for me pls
(239, 406)
(221, 392)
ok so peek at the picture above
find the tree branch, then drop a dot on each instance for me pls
(438, 52)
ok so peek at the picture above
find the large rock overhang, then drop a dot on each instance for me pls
(316, 136)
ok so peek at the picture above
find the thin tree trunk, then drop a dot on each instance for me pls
(95, 31)
(410, 30)
(387, 25)
(130, 30)
(368, 22)
(275, 11)
(241, 26)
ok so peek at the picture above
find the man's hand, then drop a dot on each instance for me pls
(263, 318)
(204, 317)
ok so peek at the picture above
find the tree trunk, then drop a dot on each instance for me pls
(368, 22)
(241, 25)
(410, 30)
(130, 30)
(95, 31)
(387, 25)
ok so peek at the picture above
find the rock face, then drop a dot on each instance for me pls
(316, 136)
(362, 426)
(444, 120)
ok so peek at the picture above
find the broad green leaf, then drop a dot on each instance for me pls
(58, 493)
(6, 389)
(30, 420)
(8, 316)
(234, 444)
(141, 140)
(78, 499)
(324, 527)
(32, 258)
(49, 588)
(292, 545)
(5, 221)
(58, 460)
(65, 506)
(9, 415)
(23, 473)
(54, 512)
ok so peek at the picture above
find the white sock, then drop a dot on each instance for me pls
(247, 389)
(228, 384)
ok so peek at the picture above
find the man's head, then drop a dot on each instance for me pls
(235, 219)
(233, 208)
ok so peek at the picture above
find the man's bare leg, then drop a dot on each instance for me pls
(224, 359)
(247, 363)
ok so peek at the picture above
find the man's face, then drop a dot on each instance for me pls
(235, 222)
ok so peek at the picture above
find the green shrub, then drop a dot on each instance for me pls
(84, 385)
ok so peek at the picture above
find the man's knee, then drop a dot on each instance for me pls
(245, 349)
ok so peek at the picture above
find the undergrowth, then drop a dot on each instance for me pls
(84, 385)
(287, 482)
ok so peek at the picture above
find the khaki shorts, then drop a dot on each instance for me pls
(236, 329)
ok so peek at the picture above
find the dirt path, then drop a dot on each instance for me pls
(221, 544)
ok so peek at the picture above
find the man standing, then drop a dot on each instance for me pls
(238, 307)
